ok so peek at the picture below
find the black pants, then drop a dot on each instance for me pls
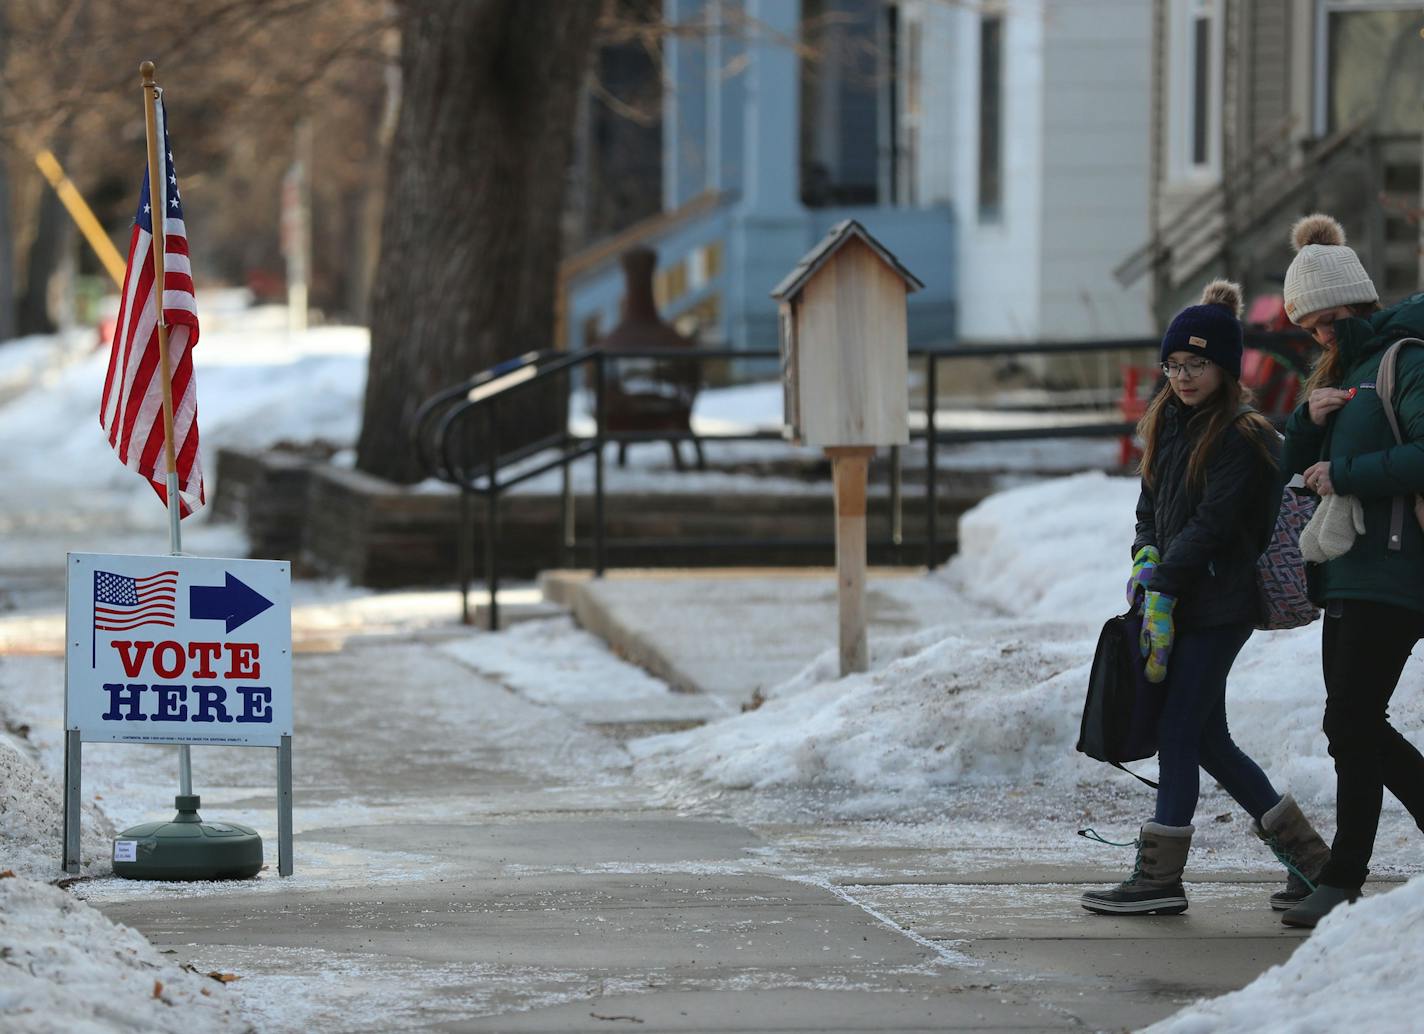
(1364, 651)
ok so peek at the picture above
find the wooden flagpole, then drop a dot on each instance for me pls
(157, 210)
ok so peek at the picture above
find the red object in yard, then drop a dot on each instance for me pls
(1274, 376)
(1133, 406)
(1268, 312)
(1273, 383)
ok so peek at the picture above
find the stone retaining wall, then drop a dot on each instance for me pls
(337, 522)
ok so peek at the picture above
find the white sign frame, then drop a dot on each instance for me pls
(171, 649)
(202, 656)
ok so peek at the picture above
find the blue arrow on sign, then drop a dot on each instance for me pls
(236, 602)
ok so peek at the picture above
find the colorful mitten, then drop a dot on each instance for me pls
(1155, 641)
(1143, 564)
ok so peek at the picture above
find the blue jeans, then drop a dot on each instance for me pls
(1192, 732)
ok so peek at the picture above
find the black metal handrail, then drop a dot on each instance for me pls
(441, 420)
(434, 406)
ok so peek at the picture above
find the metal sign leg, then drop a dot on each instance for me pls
(73, 749)
(284, 807)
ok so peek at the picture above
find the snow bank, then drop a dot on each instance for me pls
(1000, 696)
(32, 818)
(1373, 948)
(65, 966)
(1060, 550)
(977, 704)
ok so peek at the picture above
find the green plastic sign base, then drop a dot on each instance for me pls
(187, 848)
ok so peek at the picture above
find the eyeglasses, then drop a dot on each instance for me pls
(1190, 369)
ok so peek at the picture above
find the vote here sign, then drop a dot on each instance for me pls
(172, 649)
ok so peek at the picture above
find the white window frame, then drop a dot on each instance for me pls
(1321, 78)
(1181, 89)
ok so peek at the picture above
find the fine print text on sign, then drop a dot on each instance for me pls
(172, 649)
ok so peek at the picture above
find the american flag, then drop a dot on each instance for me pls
(122, 602)
(131, 411)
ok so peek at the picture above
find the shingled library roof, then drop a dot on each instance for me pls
(813, 260)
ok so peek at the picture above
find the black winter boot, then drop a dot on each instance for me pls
(1323, 900)
(1155, 886)
(1288, 833)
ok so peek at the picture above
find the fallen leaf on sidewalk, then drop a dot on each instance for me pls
(158, 989)
(223, 978)
(8, 874)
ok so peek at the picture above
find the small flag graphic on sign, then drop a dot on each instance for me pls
(122, 603)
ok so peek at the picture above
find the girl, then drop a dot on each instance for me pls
(1208, 504)
(1373, 595)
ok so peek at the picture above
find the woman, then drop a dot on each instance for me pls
(1207, 508)
(1373, 595)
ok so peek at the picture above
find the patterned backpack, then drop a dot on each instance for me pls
(1280, 571)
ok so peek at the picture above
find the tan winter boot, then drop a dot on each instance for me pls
(1288, 833)
(1155, 885)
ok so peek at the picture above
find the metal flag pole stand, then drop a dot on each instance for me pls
(186, 847)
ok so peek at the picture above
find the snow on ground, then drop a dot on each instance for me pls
(999, 696)
(1358, 971)
(256, 387)
(32, 809)
(990, 697)
(65, 967)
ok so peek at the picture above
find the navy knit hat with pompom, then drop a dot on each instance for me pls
(1211, 329)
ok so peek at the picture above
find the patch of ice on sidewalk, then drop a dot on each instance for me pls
(1358, 971)
(68, 968)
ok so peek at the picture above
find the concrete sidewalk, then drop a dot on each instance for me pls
(554, 892)
(717, 632)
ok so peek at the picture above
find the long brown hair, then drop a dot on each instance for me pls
(1216, 415)
(1328, 370)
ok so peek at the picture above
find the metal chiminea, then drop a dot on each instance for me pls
(650, 394)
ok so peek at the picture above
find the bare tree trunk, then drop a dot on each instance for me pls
(470, 240)
(32, 315)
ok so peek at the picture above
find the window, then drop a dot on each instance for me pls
(1201, 89)
(1195, 82)
(908, 149)
(841, 97)
(1372, 68)
(991, 137)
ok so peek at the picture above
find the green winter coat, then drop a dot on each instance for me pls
(1365, 461)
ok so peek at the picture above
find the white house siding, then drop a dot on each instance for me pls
(998, 264)
(1095, 166)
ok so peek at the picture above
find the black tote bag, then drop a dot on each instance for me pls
(1121, 711)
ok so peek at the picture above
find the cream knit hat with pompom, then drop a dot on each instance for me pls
(1325, 273)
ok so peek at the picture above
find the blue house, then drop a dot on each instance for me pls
(1001, 152)
(766, 145)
